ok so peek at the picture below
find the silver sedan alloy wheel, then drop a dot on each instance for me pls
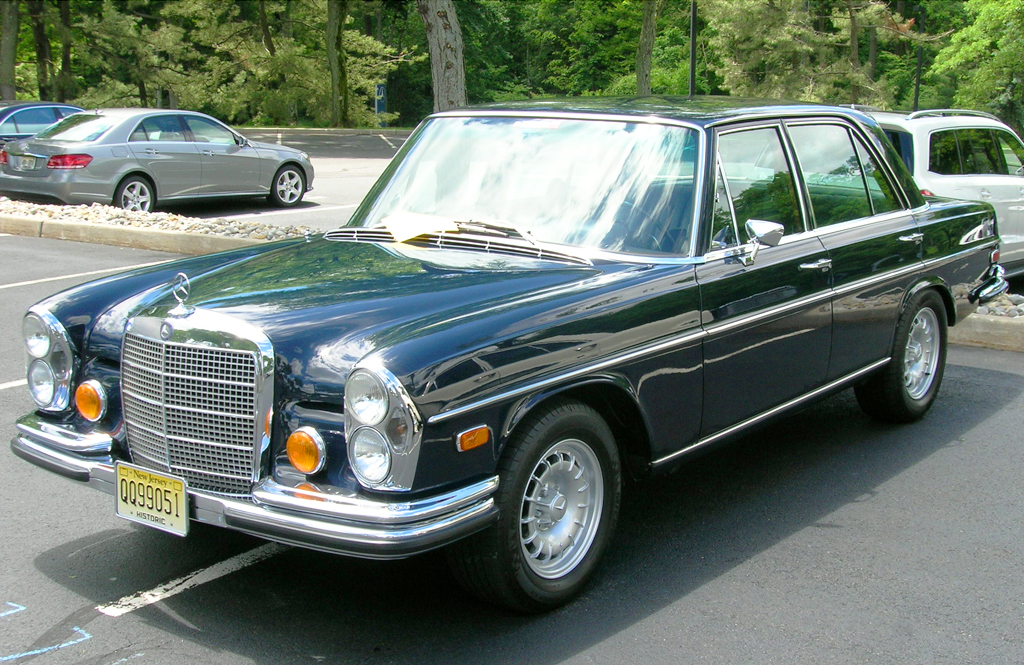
(922, 353)
(137, 197)
(561, 509)
(288, 186)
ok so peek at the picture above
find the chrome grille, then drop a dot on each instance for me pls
(192, 411)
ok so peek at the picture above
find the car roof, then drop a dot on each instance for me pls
(7, 108)
(701, 110)
(126, 113)
(930, 120)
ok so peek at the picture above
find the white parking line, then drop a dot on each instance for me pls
(393, 146)
(174, 587)
(290, 212)
(81, 274)
(13, 384)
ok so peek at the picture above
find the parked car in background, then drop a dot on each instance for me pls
(135, 158)
(966, 155)
(535, 301)
(20, 120)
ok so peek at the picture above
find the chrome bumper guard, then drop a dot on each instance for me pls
(994, 286)
(343, 524)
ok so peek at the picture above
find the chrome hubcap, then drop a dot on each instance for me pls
(561, 509)
(922, 354)
(288, 186)
(136, 197)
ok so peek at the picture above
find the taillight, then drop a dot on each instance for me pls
(993, 258)
(68, 161)
(926, 192)
(3, 156)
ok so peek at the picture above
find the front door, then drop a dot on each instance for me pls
(769, 321)
(228, 168)
(159, 143)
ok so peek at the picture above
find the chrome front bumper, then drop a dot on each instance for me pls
(338, 523)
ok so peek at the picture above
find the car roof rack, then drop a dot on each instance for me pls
(943, 112)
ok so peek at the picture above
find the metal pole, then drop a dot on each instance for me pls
(920, 57)
(693, 47)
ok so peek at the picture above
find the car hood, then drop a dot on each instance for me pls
(326, 305)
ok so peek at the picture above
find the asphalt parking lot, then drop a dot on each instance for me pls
(823, 538)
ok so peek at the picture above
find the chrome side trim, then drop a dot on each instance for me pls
(568, 376)
(351, 507)
(757, 317)
(878, 279)
(771, 412)
(953, 257)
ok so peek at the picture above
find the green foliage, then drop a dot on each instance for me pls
(986, 56)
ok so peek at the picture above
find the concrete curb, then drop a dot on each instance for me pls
(122, 236)
(990, 332)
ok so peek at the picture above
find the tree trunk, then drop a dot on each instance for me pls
(872, 53)
(8, 48)
(854, 50)
(268, 41)
(444, 41)
(64, 85)
(43, 61)
(337, 12)
(643, 51)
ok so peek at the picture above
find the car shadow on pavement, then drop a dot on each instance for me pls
(676, 534)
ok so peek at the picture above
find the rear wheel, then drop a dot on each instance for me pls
(558, 501)
(288, 187)
(906, 388)
(135, 193)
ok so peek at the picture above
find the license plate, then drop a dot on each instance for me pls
(22, 163)
(154, 499)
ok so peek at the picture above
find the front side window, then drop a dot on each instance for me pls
(943, 154)
(207, 131)
(1013, 152)
(832, 172)
(759, 178)
(619, 186)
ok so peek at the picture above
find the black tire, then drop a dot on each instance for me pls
(288, 186)
(906, 388)
(135, 193)
(498, 564)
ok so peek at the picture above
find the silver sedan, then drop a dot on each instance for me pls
(132, 158)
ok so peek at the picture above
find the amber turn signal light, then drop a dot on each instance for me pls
(91, 400)
(473, 438)
(306, 450)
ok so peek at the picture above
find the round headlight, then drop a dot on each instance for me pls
(37, 336)
(41, 382)
(369, 456)
(366, 399)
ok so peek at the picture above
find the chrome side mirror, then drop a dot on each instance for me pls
(762, 232)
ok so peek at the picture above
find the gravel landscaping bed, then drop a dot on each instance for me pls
(164, 221)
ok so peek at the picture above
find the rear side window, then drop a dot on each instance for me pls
(759, 179)
(943, 154)
(832, 172)
(978, 152)
(903, 144)
(159, 128)
(32, 121)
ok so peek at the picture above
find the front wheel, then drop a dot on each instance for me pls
(558, 501)
(135, 194)
(288, 187)
(906, 388)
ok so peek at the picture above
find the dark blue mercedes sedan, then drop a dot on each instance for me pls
(535, 301)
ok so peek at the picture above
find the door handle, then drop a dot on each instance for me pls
(208, 153)
(985, 194)
(913, 237)
(151, 151)
(821, 264)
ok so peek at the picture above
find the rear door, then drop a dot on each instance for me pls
(161, 145)
(1011, 230)
(769, 321)
(864, 222)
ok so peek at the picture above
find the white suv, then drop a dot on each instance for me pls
(966, 155)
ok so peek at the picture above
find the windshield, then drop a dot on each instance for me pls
(619, 186)
(78, 127)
